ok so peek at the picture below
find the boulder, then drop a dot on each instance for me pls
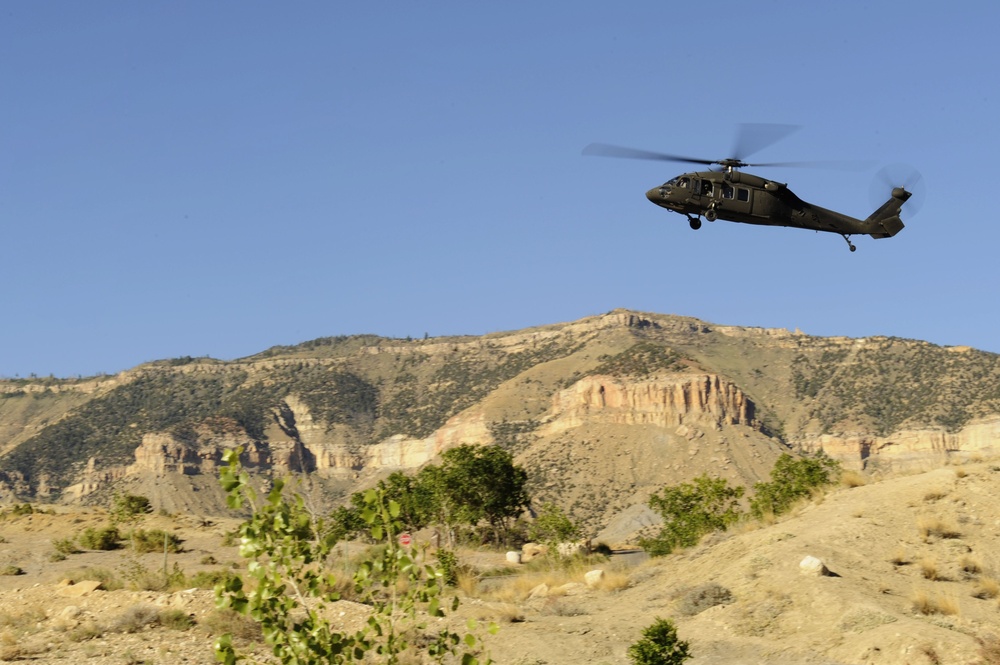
(593, 577)
(813, 566)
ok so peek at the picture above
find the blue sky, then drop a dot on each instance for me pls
(189, 178)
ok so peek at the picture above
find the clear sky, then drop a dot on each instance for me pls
(190, 178)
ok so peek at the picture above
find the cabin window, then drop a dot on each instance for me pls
(742, 194)
(683, 183)
(727, 191)
(706, 187)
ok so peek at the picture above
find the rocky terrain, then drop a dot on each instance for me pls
(911, 578)
(601, 411)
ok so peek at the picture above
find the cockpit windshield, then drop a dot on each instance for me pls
(679, 181)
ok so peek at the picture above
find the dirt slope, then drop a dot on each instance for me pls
(882, 542)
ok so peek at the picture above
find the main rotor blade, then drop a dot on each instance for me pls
(836, 165)
(754, 137)
(606, 150)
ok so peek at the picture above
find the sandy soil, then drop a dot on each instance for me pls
(913, 563)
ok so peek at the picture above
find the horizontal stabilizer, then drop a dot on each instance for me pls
(886, 228)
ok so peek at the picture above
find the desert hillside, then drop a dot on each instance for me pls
(601, 412)
(912, 579)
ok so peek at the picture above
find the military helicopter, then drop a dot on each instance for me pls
(732, 195)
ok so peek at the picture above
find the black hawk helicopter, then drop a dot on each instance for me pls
(732, 195)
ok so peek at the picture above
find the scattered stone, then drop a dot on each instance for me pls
(813, 566)
(80, 589)
(594, 577)
(513, 557)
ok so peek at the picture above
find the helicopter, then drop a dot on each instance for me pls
(736, 196)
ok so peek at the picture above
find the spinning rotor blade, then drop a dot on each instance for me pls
(899, 175)
(754, 137)
(606, 150)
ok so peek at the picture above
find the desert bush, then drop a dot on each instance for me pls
(154, 540)
(970, 565)
(659, 645)
(65, 546)
(791, 480)
(127, 507)
(135, 618)
(222, 621)
(86, 630)
(691, 510)
(11, 570)
(109, 581)
(176, 619)
(106, 538)
(208, 579)
(702, 597)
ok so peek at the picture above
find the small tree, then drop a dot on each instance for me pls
(690, 510)
(126, 508)
(553, 526)
(291, 591)
(791, 479)
(659, 645)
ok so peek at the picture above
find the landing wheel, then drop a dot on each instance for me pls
(694, 222)
(853, 248)
(711, 215)
(850, 244)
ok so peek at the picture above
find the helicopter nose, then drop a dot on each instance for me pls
(657, 194)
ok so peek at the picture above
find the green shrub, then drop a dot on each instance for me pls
(65, 546)
(126, 507)
(106, 538)
(691, 510)
(792, 479)
(154, 540)
(659, 645)
(402, 591)
(11, 570)
(553, 526)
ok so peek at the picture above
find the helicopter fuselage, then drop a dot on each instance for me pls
(735, 196)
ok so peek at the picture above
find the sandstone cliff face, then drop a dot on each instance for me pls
(909, 448)
(666, 402)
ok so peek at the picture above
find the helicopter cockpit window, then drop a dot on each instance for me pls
(683, 183)
(706, 187)
(727, 191)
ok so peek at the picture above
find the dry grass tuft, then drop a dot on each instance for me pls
(987, 587)
(930, 525)
(970, 565)
(935, 494)
(928, 603)
(851, 478)
(900, 558)
(929, 569)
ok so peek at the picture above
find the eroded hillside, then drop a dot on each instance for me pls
(601, 411)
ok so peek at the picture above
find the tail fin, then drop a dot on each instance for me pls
(885, 221)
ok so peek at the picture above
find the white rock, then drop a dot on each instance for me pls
(594, 577)
(813, 566)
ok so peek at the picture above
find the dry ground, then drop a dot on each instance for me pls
(914, 563)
